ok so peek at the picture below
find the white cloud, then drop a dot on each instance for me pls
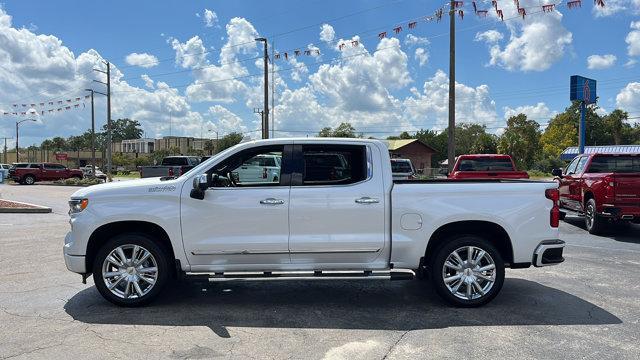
(430, 106)
(148, 82)
(215, 83)
(598, 62)
(143, 60)
(630, 63)
(613, 7)
(422, 56)
(489, 36)
(633, 39)
(190, 54)
(300, 69)
(535, 43)
(628, 98)
(412, 40)
(327, 34)
(210, 18)
(225, 120)
(539, 112)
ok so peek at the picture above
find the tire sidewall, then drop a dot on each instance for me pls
(26, 180)
(445, 250)
(162, 261)
(596, 225)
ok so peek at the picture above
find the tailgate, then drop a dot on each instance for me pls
(627, 189)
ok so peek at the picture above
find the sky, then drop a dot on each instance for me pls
(193, 68)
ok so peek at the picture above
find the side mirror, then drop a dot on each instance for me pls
(235, 177)
(556, 172)
(200, 185)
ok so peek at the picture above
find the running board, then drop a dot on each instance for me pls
(395, 274)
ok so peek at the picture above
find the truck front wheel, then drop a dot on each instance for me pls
(467, 271)
(130, 270)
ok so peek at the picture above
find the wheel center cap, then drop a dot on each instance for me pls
(131, 270)
(468, 272)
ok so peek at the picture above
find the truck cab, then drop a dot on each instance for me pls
(486, 166)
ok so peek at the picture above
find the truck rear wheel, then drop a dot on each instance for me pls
(467, 271)
(130, 270)
(29, 180)
(592, 221)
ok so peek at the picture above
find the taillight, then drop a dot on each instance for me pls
(170, 171)
(264, 173)
(554, 195)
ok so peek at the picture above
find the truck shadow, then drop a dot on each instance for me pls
(374, 305)
(629, 233)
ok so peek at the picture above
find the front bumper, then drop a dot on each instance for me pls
(548, 253)
(77, 264)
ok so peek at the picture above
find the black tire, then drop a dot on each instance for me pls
(594, 223)
(29, 180)
(460, 243)
(160, 256)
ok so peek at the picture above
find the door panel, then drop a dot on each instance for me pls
(336, 224)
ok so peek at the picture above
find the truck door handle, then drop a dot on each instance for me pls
(367, 200)
(272, 201)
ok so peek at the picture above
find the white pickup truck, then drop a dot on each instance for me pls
(322, 219)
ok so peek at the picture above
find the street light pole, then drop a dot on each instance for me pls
(17, 137)
(215, 148)
(451, 134)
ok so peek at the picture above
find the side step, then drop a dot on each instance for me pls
(395, 274)
(566, 212)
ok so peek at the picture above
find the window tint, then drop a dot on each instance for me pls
(21, 166)
(252, 167)
(485, 164)
(400, 166)
(609, 164)
(333, 164)
(175, 161)
(52, 166)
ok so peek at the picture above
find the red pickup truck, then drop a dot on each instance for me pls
(29, 173)
(603, 188)
(486, 166)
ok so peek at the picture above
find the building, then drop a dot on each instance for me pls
(140, 146)
(182, 143)
(413, 149)
(569, 153)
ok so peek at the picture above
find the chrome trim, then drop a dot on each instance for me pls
(544, 246)
(273, 252)
(367, 200)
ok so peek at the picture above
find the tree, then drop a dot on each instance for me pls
(124, 129)
(521, 140)
(344, 130)
(229, 140)
(209, 147)
(559, 135)
(485, 144)
(121, 159)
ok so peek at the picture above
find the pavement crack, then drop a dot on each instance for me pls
(395, 344)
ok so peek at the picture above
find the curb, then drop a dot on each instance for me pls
(35, 209)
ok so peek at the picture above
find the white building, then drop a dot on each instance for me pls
(140, 146)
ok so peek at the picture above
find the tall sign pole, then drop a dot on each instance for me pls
(451, 140)
(583, 90)
(265, 113)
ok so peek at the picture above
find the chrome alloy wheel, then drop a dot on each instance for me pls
(590, 216)
(130, 271)
(469, 273)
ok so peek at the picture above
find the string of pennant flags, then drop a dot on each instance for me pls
(46, 107)
(438, 15)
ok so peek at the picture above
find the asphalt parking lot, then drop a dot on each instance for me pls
(586, 308)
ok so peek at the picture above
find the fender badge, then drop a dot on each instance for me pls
(166, 188)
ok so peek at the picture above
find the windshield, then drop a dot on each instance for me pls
(401, 166)
(175, 161)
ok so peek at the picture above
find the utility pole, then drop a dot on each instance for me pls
(108, 84)
(5, 149)
(451, 140)
(273, 89)
(93, 132)
(265, 113)
(18, 136)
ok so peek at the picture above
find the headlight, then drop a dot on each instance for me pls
(77, 205)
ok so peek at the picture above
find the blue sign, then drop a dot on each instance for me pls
(583, 89)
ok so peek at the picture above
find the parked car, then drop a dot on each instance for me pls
(29, 173)
(87, 171)
(486, 166)
(352, 221)
(170, 166)
(4, 169)
(402, 169)
(603, 188)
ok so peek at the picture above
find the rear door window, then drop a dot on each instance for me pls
(333, 164)
(611, 164)
(401, 166)
(174, 161)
